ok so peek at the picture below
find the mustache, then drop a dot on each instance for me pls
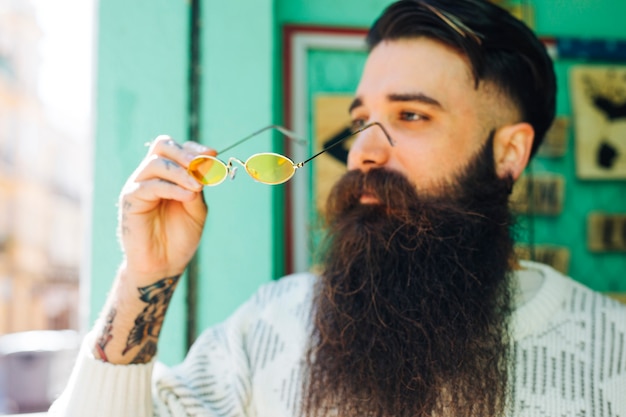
(396, 197)
(390, 188)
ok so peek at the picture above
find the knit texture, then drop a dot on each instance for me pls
(569, 360)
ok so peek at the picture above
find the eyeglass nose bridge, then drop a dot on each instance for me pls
(231, 168)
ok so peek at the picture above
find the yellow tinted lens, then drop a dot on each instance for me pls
(270, 168)
(207, 170)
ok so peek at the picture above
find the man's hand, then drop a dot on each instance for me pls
(161, 211)
(161, 217)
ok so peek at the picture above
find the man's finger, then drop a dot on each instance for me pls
(145, 195)
(196, 148)
(166, 147)
(157, 167)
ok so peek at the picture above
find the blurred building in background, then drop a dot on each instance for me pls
(42, 177)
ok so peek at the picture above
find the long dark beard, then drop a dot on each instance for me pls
(411, 315)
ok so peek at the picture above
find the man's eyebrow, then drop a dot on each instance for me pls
(357, 102)
(419, 97)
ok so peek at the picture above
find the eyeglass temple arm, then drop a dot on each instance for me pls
(340, 140)
(288, 133)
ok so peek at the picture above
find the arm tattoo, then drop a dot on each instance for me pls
(146, 353)
(126, 205)
(105, 335)
(148, 323)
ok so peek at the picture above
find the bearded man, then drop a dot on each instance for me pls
(420, 308)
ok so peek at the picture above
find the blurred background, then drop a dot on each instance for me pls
(46, 61)
(84, 85)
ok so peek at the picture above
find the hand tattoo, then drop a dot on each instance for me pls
(148, 323)
(169, 164)
(174, 143)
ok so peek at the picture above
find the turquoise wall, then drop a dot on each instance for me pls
(237, 249)
(141, 92)
(582, 18)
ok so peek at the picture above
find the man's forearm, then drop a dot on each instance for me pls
(129, 328)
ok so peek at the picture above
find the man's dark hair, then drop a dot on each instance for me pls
(501, 49)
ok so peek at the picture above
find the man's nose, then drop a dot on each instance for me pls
(370, 149)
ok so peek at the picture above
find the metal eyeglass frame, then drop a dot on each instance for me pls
(232, 170)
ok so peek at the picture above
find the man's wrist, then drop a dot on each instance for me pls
(131, 324)
(132, 276)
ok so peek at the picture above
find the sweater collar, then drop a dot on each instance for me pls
(540, 292)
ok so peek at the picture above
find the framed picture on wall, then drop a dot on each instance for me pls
(599, 104)
(302, 75)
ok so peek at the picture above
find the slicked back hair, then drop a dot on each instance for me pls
(501, 49)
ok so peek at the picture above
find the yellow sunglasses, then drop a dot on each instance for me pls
(266, 167)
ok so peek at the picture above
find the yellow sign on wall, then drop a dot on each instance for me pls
(331, 118)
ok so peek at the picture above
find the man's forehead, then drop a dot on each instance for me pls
(415, 67)
(419, 52)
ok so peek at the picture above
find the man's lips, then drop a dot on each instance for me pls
(368, 197)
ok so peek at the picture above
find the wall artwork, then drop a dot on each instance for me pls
(606, 232)
(539, 194)
(599, 105)
(330, 122)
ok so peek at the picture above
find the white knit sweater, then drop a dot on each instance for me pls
(569, 352)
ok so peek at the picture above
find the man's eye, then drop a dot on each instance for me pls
(356, 124)
(411, 117)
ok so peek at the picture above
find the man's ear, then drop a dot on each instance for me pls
(511, 149)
